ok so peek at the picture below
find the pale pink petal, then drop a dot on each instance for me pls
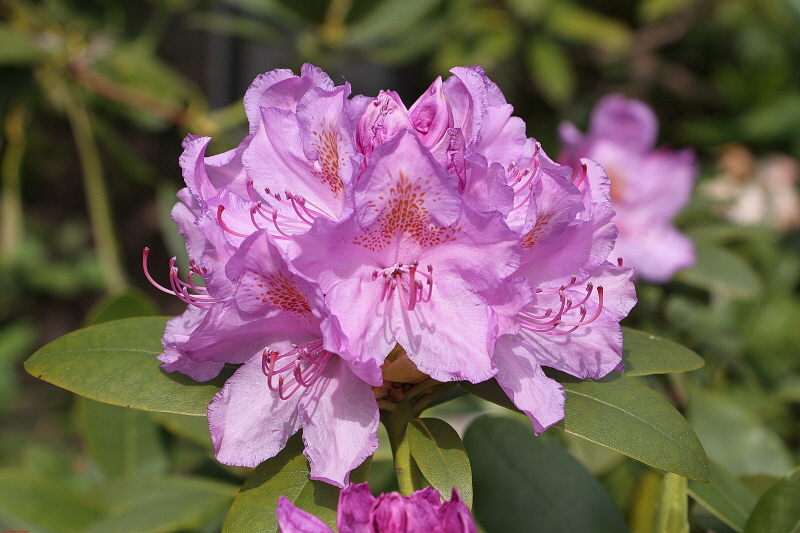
(340, 419)
(249, 423)
(522, 379)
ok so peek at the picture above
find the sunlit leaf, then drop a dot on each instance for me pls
(441, 457)
(532, 484)
(726, 497)
(778, 510)
(115, 362)
(644, 353)
(286, 474)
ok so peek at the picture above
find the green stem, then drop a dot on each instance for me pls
(11, 203)
(96, 197)
(396, 422)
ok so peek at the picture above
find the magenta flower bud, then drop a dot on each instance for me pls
(360, 512)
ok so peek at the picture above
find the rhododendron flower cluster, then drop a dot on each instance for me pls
(345, 226)
(648, 186)
(360, 512)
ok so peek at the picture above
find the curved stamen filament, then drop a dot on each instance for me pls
(181, 288)
(551, 322)
(222, 224)
(582, 176)
(304, 367)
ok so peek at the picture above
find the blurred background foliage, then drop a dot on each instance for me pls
(95, 96)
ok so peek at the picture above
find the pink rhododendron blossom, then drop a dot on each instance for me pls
(360, 512)
(648, 186)
(345, 228)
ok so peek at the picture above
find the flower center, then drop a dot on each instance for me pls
(300, 367)
(408, 281)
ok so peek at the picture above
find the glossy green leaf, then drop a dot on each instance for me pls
(162, 505)
(287, 474)
(778, 510)
(672, 515)
(532, 484)
(725, 496)
(441, 457)
(115, 362)
(123, 442)
(722, 271)
(644, 353)
(44, 503)
(736, 438)
(627, 416)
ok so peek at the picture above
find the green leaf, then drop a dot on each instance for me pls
(441, 457)
(162, 505)
(672, 515)
(778, 510)
(625, 415)
(643, 354)
(551, 70)
(43, 503)
(286, 474)
(528, 483)
(123, 442)
(115, 362)
(719, 423)
(721, 271)
(727, 498)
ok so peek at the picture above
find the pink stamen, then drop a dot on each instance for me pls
(307, 363)
(548, 323)
(145, 255)
(222, 224)
(582, 175)
(180, 288)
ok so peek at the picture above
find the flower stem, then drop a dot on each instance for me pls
(396, 422)
(96, 196)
